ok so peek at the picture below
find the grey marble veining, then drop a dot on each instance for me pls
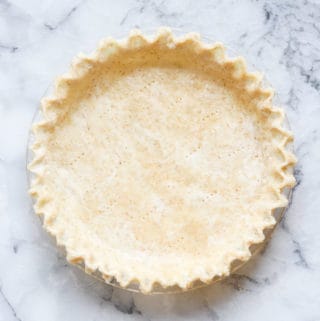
(37, 42)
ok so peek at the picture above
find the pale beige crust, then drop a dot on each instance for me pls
(160, 160)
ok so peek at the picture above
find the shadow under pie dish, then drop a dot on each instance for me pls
(159, 160)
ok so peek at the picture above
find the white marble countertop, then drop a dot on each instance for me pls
(38, 40)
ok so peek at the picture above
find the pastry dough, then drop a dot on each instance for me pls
(160, 161)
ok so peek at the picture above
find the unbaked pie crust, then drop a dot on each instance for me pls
(160, 161)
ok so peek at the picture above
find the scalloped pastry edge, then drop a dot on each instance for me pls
(79, 68)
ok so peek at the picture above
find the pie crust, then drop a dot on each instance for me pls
(160, 161)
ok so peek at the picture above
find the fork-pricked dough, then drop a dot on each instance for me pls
(160, 161)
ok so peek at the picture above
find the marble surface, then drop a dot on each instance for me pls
(38, 40)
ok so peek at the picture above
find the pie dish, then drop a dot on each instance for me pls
(160, 161)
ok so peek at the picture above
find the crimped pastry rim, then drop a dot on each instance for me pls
(77, 71)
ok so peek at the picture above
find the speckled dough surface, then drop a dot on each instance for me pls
(159, 160)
